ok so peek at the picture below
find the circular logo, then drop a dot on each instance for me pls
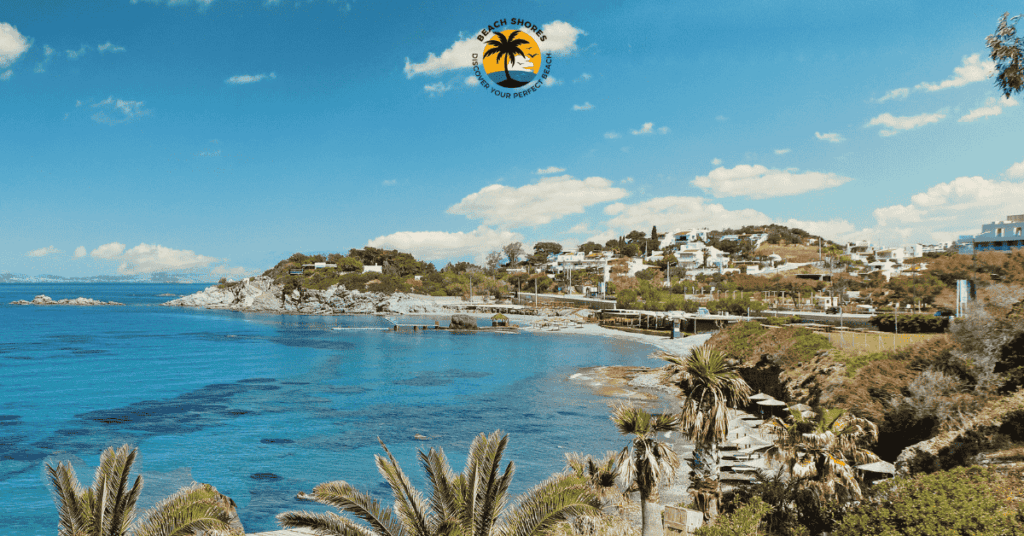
(511, 58)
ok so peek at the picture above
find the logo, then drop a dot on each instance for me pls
(511, 64)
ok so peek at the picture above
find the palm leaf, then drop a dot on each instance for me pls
(552, 501)
(190, 509)
(72, 517)
(408, 500)
(343, 496)
(443, 495)
(325, 524)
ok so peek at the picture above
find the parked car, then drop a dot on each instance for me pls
(833, 311)
(703, 311)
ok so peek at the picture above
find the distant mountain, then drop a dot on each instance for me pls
(158, 277)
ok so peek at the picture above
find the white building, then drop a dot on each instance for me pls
(919, 250)
(754, 238)
(694, 256)
(577, 260)
(996, 236)
(686, 238)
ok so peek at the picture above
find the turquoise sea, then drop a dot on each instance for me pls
(264, 406)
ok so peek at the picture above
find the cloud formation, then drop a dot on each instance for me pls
(676, 212)
(898, 93)
(612, 135)
(438, 89)
(121, 111)
(75, 54)
(550, 169)
(831, 137)
(109, 47)
(896, 124)
(42, 252)
(972, 69)
(581, 107)
(759, 182)
(561, 40)
(781, 151)
(992, 107)
(108, 251)
(12, 44)
(547, 200)
(1015, 171)
(249, 78)
(145, 258)
(6, 75)
(80, 252)
(437, 245)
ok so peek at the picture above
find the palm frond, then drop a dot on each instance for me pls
(322, 524)
(190, 509)
(556, 499)
(443, 494)
(343, 496)
(409, 501)
(72, 517)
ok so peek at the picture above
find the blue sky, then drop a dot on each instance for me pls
(219, 136)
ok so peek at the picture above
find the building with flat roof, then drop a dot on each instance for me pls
(996, 236)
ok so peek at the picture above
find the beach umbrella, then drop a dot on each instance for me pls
(748, 440)
(878, 467)
(801, 407)
(759, 396)
(771, 403)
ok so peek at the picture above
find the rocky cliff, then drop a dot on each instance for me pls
(261, 294)
(43, 299)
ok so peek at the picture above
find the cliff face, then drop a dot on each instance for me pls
(260, 294)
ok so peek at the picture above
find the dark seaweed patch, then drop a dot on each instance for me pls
(345, 389)
(435, 379)
(185, 413)
(237, 412)
(276, 441)
(9, 417)
(263, 477)
(257, 380)
(89, 352)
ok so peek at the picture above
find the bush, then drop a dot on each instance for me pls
(780, 320)
(745, 521)
(958, 502)
(910, 323)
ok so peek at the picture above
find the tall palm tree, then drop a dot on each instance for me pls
(821, 453)
(711, 385)
(505, 51)
(108, 507)
(473, 503)
(599, 473)
(649, 462)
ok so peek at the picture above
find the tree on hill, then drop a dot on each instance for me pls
(635, 236)
(493, 260)
(513, 251)
(918, 289)
(547, 248)
(1008, 53)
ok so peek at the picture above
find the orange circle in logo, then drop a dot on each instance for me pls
(511, 58)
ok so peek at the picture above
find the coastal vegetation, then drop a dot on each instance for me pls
(646, 462)
(107, 508)
(474, 502)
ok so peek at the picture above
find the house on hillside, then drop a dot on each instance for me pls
(682, 239)
(755, 239)
(996, 236)
(699, 255)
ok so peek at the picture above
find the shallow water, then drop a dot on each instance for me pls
(264, 406)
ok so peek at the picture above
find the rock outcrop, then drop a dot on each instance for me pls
(43, 299)
(260, 294)
(463, 322)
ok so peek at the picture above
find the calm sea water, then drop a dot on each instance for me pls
(264, 406)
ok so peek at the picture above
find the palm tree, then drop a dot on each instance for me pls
(821, 453)
(506, 51)
(649, 462)
(599, 473)
(108, 507)
(711, 385)
(473, 503)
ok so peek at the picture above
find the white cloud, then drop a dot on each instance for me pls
(120, 110)
(781, 151)
(561, 40)
(547, 200)
(249, 78)
(721, 118)
(109, 47)
(6, 75)
(583, 78)
(716, 162)
(993, 107)
(12, 44)
(1016, 171)
(42, 252)
(627, 180)
(549, 170)
(832, 137)
(584, 106)
(663, 130)
(898, 93)
(895, 124)
(389, 182)
(108, 251)
(759, 182)
(552, 81)
(612, 135)
(146, 258)
(678, 212)
(972, 69)
(471, 81)
(830, 229)
(437, 89)
(75, 54)
(439, 245)
(48, 50)
(229, 271)
(80, 252)
(647, 128)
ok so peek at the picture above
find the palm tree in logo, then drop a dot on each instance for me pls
(506, 51)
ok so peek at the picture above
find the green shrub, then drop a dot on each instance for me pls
(745, 521)
(780, 320)
(963, 501)
(910, 323)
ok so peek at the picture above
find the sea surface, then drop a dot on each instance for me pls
(264, 406)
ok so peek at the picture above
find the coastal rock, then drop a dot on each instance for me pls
(43, 299)
(463, 322)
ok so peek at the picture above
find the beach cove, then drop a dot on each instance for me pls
(265, 405)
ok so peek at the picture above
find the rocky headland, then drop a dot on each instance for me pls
(261, 294)
(43, 299)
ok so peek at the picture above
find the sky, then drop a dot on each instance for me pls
(217, 137)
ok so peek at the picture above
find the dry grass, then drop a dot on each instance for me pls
(855, 342)
(790, 252)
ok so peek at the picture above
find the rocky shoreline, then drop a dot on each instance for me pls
(43, 299)
(260, 294)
